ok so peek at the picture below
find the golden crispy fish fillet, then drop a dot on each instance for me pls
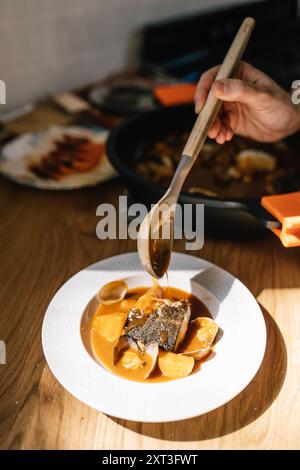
(166, 323)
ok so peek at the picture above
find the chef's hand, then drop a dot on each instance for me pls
(253, 106)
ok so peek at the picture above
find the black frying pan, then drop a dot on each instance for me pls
(223, 215)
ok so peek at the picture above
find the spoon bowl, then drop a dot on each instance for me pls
(155, 239)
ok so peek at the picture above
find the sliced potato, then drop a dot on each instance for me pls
(148, 301)
(110, 325)
(174, 365)
(127, 304)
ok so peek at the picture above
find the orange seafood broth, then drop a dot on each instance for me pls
(103, 348)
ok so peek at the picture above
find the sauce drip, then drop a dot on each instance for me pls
(160, 245)
(160, 255)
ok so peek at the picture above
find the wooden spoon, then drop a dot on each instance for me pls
(155, 239)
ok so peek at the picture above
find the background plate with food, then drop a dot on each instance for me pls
(58, 158)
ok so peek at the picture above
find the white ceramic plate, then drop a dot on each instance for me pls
(239, 352)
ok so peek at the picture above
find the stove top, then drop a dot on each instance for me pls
(186, 47)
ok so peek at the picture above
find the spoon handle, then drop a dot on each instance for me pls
(212, 106)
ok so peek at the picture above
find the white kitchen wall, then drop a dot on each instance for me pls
(53, 45)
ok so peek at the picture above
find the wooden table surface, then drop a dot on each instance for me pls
(46, 237)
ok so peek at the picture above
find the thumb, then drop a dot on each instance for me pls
(236, 90)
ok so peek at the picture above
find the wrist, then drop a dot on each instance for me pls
(295, 121)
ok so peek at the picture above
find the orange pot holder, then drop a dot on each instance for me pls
(286, 209)
(175, 94)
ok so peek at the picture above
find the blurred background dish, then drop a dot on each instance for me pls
(58, 158)
(123, 97)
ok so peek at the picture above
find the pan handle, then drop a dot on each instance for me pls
(262, 215)
(281, 214)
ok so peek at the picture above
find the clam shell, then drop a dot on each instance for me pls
(151, 350)
(112, 292)
(122, 343)
(202, 339)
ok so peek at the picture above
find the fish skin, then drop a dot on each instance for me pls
(161, 325)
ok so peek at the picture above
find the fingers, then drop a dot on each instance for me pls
(227, 127)
(215, 129)
(250, 74)
(249, 87)
(225, 135)
(245, 73)
(203, 87)
(221, 130)
(234, 90)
